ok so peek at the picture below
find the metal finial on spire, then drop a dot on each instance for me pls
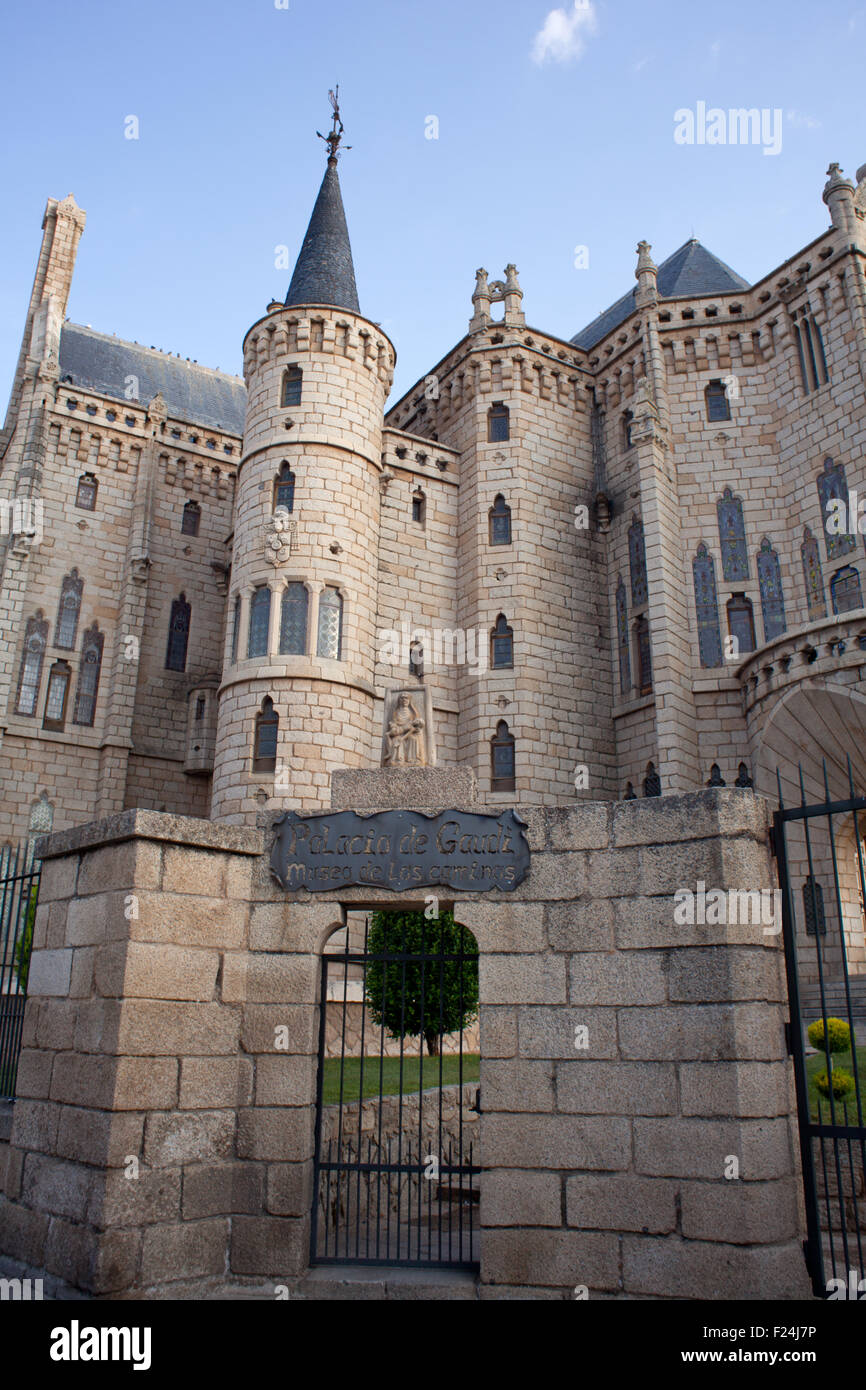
(332, 139)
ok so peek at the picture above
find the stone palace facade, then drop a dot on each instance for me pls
(598, 567)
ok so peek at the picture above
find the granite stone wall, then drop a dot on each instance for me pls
(637, 1120)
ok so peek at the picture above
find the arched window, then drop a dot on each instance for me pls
(497, 423)
(260, 621)
(284, 488)
(293, 620)
(85, 497)
(741, 623)
(329, 642)
(502, 759)
(810, 349)
(416, 659)
(292, 384)
(637, 563)
(191, 519)
(732, 537)
(419, 507)
(845, 590)
(178, 635)
(652, 783)
(265, 738)
(55, 700)
(88, 676)
(627, 422)
(707, 608)
(813, 576)
(30, 674)
(68, 610)
(716, 398)
(501, 644)
(833, 493)
(499, 521)
(643, 655)
(770, 585)
(622, 639)
(236, 628)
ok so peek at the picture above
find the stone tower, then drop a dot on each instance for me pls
(296, 699)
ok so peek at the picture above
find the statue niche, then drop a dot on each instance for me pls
(407, 738)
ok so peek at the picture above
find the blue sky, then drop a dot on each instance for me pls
(555, 130)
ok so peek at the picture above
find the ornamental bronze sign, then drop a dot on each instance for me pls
(400, 850)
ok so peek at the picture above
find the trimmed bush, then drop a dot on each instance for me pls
(839, 1037)
(843, 1083)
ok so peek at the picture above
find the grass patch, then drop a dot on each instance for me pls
(388, 1084)
(841, 1061)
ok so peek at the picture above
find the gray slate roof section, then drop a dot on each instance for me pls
(97, 362)
(690, 271)
(324, 273)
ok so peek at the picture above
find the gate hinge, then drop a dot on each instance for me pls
(772, 839)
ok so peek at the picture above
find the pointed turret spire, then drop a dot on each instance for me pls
(324, 273)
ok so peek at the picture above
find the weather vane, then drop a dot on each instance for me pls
(332, 139)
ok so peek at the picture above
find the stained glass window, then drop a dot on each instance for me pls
(330, 639)
(812, 575)
(732, 537)
(497, 423)
(500, 521)
(88, 676)
(292, 385)
(284, 488)
(502, 759)
(716, 398)
(260, 620)
(644, 656)
(68, 610)
(30, 674)
(293, 620)
(178, 635)
(637, 563)
(707, 608)
(741, 623)
(622, 638)
(85, 497)
(501, 644)
(55, 700)
(845, 590)
(265, 740)
(770, 585)
(833, 492)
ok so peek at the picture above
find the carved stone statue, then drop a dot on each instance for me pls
(407, 739)
(404, 736)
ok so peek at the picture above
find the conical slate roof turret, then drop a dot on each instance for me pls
(324, 273)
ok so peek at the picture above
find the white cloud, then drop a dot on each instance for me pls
(799, 118)
(562, 37)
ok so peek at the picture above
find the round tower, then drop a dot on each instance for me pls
(296, 698)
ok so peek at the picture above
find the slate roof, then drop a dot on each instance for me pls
(690, 271)
(324, 273)
(97, 362)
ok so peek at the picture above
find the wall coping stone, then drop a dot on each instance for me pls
(151, 825)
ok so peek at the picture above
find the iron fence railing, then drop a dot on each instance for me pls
(19, 890)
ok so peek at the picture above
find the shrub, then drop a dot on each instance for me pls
(843, 1083)
(838, 1035)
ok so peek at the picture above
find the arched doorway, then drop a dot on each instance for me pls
(396, 1176)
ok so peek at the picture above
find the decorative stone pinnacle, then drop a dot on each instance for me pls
(835, 182)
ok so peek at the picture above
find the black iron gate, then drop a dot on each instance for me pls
(820, 852)
(396, 1171)
(19, 888)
